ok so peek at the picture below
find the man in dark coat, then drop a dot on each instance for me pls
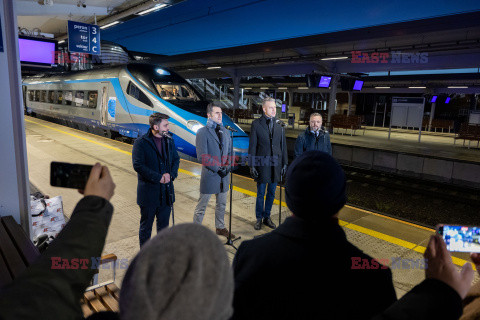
(213, 151)
(268, 160)
(309, 253)
(155, 193)
(315, 137)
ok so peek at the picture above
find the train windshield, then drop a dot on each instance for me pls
(176, 92)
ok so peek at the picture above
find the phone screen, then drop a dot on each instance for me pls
(69, 175)
(461, 238)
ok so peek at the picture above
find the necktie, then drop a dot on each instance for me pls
(219, 134)
(269, 125)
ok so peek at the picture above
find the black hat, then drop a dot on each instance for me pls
(315, 187)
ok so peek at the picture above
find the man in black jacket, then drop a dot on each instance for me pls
(49, 289)
(155, 193)
(308, 259)
(268, 160)
(315, 137)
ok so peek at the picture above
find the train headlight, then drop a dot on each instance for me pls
(194, 125)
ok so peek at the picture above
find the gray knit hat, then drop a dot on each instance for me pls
(182, 273)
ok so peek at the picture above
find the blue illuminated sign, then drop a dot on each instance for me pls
(83, 38)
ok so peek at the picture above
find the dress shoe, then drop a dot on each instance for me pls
(224, 232)
(269, 223)
(258, 224)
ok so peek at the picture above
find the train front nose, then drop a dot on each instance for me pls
(240, 149)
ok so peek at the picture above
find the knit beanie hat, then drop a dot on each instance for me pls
(315, 186)
(182, 273)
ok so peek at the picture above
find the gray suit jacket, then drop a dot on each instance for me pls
(212, 158)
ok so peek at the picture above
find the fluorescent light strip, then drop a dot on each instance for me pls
(109, 24)
(336, 58)
(303, 88)
(382, 87)
(457, 87)
(213, 67)
(247, 88)
(61, 41)
(282, 88)
(417, 87)
(264, 88)
(155, 8)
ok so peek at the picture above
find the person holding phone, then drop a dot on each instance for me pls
(46, 291)
(156, 161)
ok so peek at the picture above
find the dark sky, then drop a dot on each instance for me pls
(198, 25)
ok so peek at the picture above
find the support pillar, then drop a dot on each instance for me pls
(14, 184)
(332, 97)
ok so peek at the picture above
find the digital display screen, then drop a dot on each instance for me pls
(434, 98)
(324, 82)
(357, 86)
(447, 100)
(461, 238)
(37, 51)
(284, 107)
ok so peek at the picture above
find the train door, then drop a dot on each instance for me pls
(104, 106)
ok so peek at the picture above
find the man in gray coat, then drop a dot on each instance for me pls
(213, 150)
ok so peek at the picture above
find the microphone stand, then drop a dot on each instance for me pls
(169, 185)
(229, 239)
(281, 179)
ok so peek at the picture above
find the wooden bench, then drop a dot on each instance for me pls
(468, 132)
(17, 252)
(104, 296)
(341, 121)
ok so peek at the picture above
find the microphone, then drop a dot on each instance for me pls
(280, 122)
(165, 134)
(230, 129)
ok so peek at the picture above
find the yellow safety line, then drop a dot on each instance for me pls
(372, 233)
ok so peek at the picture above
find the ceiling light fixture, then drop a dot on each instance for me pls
(155, 8)
(382, 87)
(108, 25)
(213, 68)
(335, 58)
(457, 87)
(417, 87)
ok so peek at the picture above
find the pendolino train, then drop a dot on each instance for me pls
(117, 101)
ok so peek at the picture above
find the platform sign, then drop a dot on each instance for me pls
(407, 112)
(83, 38)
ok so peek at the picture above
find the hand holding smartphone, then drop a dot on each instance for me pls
(460, 238)
(69, 175)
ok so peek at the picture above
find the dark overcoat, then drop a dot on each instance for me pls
(150, 167)
(212, 158)
(306, 271)
(267, 155)
(306, 141)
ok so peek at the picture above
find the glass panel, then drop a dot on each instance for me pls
(92, 99)
(176, 92)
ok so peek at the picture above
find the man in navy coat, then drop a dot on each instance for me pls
(155, 193)
(315, 137)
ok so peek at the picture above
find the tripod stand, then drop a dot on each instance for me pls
(229, 239)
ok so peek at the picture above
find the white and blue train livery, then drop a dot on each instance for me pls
(117, 101)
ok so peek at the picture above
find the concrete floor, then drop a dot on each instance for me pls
(379, 236)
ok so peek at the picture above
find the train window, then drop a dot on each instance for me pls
(43, 96)
(176, 92)
(79, 95)
(60, 97)
(36, 95)
(51, 97)
(92, 99)
(30, 95)
(135, 92)
(68, 97)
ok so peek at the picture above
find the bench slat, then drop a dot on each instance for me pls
(27, 249)
(93, 302)
(5, 277)
(110, 302)
(86, 309)
(12, 258)
(114, 290)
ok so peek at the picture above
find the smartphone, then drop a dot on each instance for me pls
(69, 175)
(460, 238)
